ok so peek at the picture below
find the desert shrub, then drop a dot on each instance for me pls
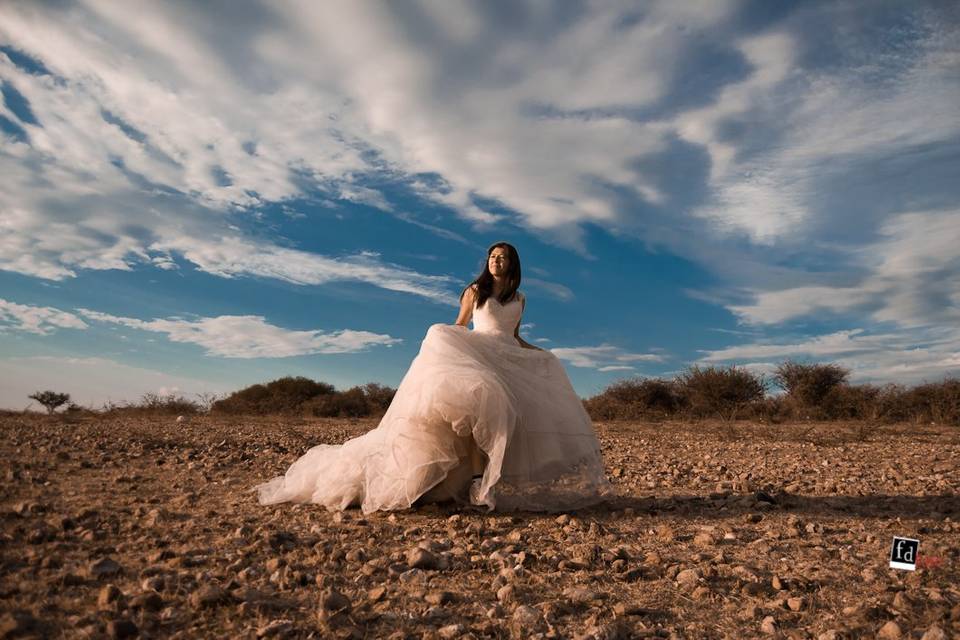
(937, 402)
(378, 396)
(50, 399)
(850, 402)
(772, 409)
(633, 399)
(351, 403)
(284, 395)
(719, 391)
(808, 383)
(171, 404)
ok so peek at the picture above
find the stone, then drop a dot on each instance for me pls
(104, 568)
(149, 601)
(506, 593)
(795, 604)
(890, 631)
(108, 595)
(581, 595)
(208, 595)
(276, 629)
(122, 628)
(333, 600)
(451, 631)
(768, 625)
(526, 619)
(418, 558)
(439, 597)
(934, 633)
(688, 578)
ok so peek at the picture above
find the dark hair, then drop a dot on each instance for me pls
(484, 281)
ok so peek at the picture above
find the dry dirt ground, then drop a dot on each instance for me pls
(143, 527)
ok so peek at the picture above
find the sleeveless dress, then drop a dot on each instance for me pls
(472, 401)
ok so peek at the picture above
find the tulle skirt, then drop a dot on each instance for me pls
(465, 392)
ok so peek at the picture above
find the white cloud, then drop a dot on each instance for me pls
(912, 278)
(33, 319)
(250, 336)
(604, 355)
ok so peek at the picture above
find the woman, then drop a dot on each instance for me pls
(481, 417)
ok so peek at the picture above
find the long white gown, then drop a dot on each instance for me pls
(467, 391)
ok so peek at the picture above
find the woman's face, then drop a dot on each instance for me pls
(499, 261)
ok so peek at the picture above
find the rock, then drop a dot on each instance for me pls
(506, 593)
(439, 597)
(17, 623)
(333, 600)
(901, 601)
(768, 625)
(704, 539)
(149, 601)
(418, 558)
(890, 631)
(104, 568)
(376, 594)
(688, 578)
(526, 620)
(209, 595)
(451, 631)
(276, 629)
(108, 595)
(122, 628)
(275, 563)
(749, 612)
(778, 583)
(795, 604)
(666, 533)
(934, 633)
(701, 593)
(581, 595)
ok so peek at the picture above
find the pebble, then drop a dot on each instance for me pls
(506, 593)
(419, 558)
(209, 595)
(688, 578)
(934, 633)
(439, 597)
(122, 628)
(104, 568)
(333, 600)
(451, 631)
(581, 595)
(108, 595)
(890, 631)
(769, 625)
(795, 604)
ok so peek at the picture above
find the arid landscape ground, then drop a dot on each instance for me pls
(146, 527)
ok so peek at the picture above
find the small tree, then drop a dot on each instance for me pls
(808, 384)
(50, 399)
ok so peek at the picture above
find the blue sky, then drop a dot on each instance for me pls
(198, 197)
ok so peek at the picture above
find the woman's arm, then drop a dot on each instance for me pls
(516, 330)
(466, 307)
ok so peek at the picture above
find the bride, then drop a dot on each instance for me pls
(481, 418)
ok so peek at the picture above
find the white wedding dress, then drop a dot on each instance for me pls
(469, 395)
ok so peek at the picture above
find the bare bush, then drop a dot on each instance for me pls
(719, 391)
(635, 399)
(808, 383)
(284, 395)
(351, 403)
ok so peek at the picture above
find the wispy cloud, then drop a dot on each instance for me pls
(604, 355)
(250, 336)
(35, 319)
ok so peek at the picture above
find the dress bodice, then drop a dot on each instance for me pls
(498, 319)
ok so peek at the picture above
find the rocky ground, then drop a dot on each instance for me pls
(133, 526)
